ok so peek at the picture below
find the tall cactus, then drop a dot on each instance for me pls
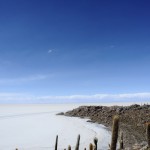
(115, 128)
(69, 147)
(56, 143)
(78, 143)
(91, 146)
(148, 134)
(95, 142)
(121, 141)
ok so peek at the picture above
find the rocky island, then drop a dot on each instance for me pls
(133, 120)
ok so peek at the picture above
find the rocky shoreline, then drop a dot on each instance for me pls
(133, 120)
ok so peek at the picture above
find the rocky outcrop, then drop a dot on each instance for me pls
(133, 119)
(61, 113)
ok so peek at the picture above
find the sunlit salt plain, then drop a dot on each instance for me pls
(34, 127)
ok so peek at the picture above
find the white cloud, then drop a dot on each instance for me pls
(100, 98)
(23, 79)
(50, 51)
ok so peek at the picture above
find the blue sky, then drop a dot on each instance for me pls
(81, 47)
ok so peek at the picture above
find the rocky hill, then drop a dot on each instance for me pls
(133, 120)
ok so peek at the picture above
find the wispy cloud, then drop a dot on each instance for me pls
(99, 98)
(112, 46)
(50, 51)
(5, 62)
(23, 79)
(16, 98)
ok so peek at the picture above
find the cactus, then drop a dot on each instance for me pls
(95, 142)
(148, 134)
(69, 147)
(78, 143)
(91, 146)
(114, 133)
(121, 141)
(56, 144)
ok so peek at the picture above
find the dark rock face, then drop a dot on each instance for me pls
(132, 119)
(61, 113)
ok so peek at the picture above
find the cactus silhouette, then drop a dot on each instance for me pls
(109, 145)
(78, 143)
(56, 144)
(91, 146)
(148, 134)
(95, 142)
(115, 128)
(121, 141)
(69, 147)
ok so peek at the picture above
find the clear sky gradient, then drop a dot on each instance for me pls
(74, 47)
